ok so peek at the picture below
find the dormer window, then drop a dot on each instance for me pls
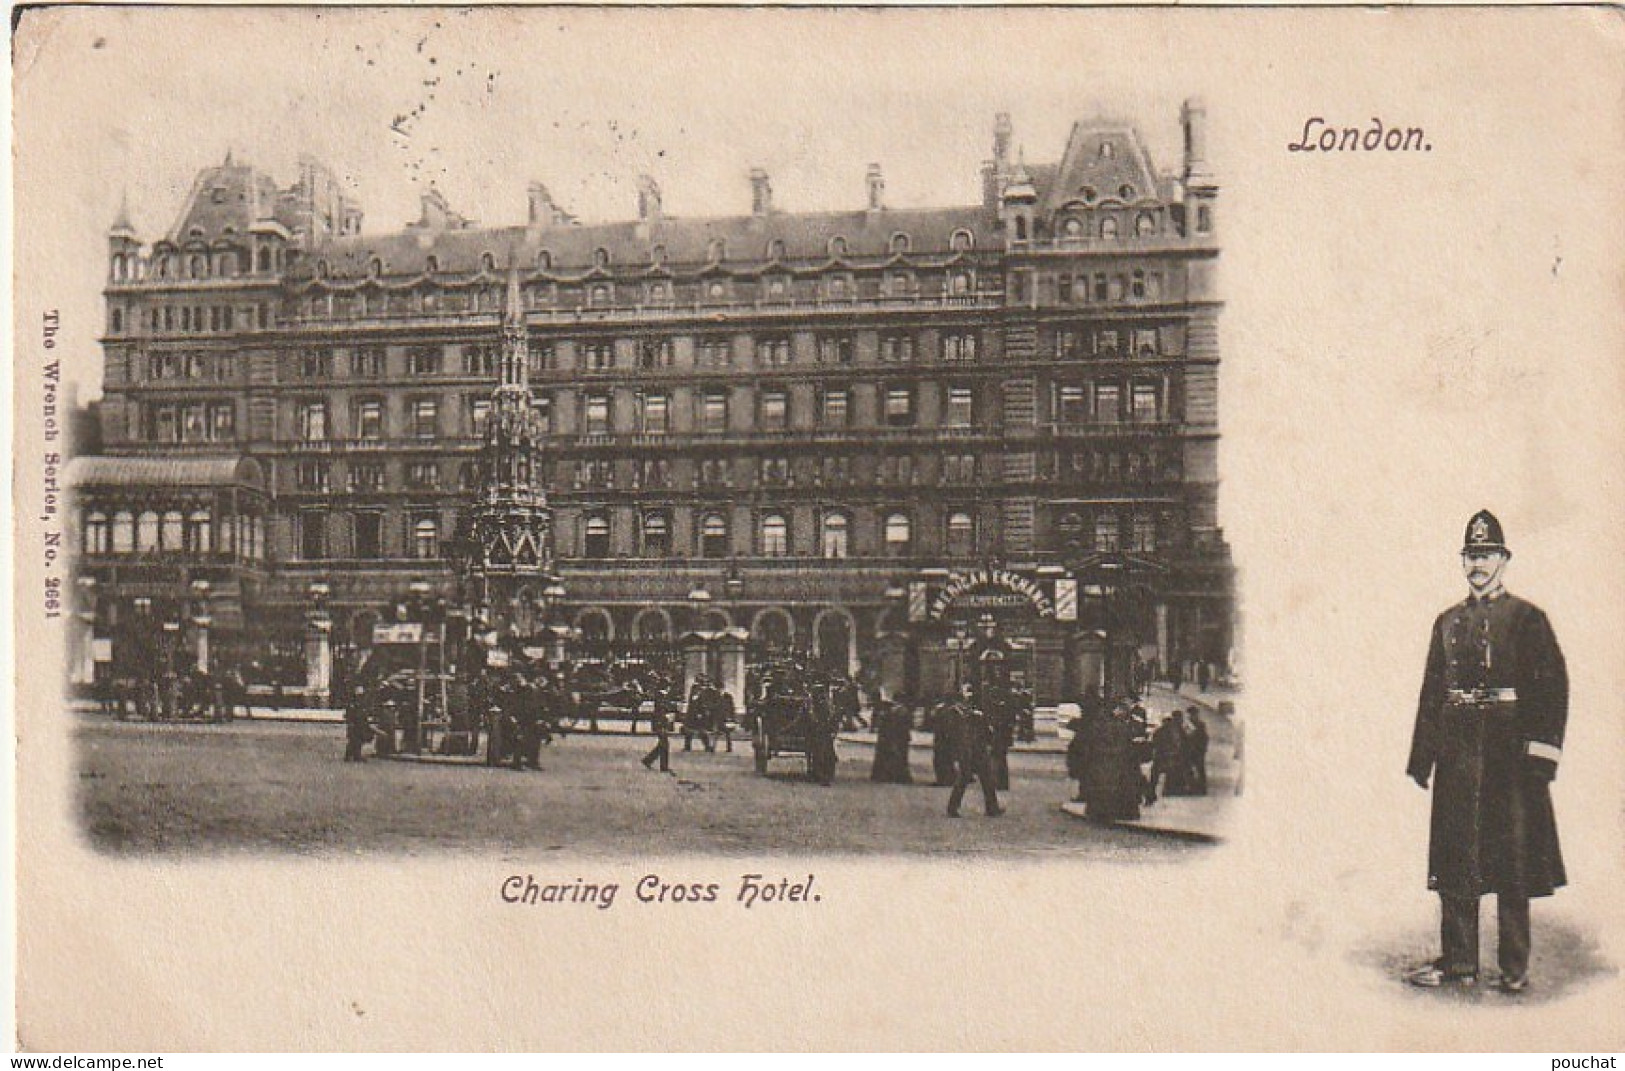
(837, 246)
(962, 241)
(716, 251)
(1088, 193)
(600, 257)
(1145, 225)
(899, 244)
(431, 265)
(657, 255)
(1107, 150)
(218, 195)
(488, 262)
(1108, 227)
(1072, 227)
(1126, 192)
(775, 249)
(544, 260)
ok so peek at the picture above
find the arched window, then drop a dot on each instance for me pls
(834, 542)
(95, 533)
(899, 243)
(425, 538)
(775, 536)
(595, 536)
(1145, 225)
(1126, 192)
(899, 534)
(837, 246)
(775, 249)
(600, 257)
(1108, 227)
(652, 625)
(431, 265)
(959, 283)
(488, 263)
(199, 533)
(714, 536)
(962, 241)
(146, 532)
(656, 535)
(173, 535)
(198, 266)
(123, 532)
(773, 629)
(595, 625)
(599, 295)
(716, 250)
(1073, 227)
(961, 535)
(544, 259)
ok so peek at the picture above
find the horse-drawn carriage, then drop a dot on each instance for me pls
(783, 724)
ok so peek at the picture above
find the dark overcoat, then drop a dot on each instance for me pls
(1489, 729)
(1111, 785)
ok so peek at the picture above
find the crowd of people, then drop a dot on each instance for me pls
(169, 692)
(1111, 747)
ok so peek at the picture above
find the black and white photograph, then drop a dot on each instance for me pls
(503, 489)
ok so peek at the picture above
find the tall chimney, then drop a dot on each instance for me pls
(542, 210)
(1193, 117)
(1003, 131)
(649, 206)
(877, 189)
(761, 193)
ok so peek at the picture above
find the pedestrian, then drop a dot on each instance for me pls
(1196, 744)
(1112, 785)
(824, 724)
(975, 760)
(1077, 753)
(358, 722)
(944, 742)
(893, 724)
(697, 715)
(1000, 708)
(1489, 733)
(724, 712)
(1168, 758)
(660, 725)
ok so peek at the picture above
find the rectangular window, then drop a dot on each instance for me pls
(1145, 342)
(425, 537)
(479, 359)
(836, 472)
(1071, 405)
(316, 364)
(542, 406)
(772, 352)
(1106, 343)
(423, 360)
(1108, 403)
(1063, 289)
(367, 362)
(425, 418)
(959, 468)
(165, 427)
(369, 419)
(961, 407)
(959, 347)
(543, 357)
(1115, 288)
(775, 411)
(775, 471)
(654, 353)
(1144, 401)
(900, 407)
(713, 472)
(596, 414)
(366, 476)
(194, 424)
(598, 356)
(836, 407)
(312, 476)
(479, 415)
(312, 535)
(1106, 532)
(713, 353)
(424, 475)
(835, 349)
(714, 413)
(225, 367)
(313, 422)
(1145, 534)
(222, 422)
(656, 417)
(369, 535)
(897, 349)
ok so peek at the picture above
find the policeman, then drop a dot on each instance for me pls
(824, 722)
(1489, 733)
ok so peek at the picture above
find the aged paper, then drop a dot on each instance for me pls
(1420, 317)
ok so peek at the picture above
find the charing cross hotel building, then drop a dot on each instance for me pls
(913, 444)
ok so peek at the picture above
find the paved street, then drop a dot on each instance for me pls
(260, 786)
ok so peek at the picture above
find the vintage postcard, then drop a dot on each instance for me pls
(1013, 528)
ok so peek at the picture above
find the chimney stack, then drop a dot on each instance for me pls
(877, 189)
(649, 205)
(1003, 131)
(542, 209)
(1193, 117)
(761, 193)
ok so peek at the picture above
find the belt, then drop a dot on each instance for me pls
(1482, 696)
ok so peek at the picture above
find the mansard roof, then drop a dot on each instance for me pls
(806, 236)
(229, 196)
(1102, 160)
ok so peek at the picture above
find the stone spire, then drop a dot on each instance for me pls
(509, 530)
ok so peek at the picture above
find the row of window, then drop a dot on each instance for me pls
(713, 535)
(129, 267)
(171, 532)
(192, 319)
(772, 288)
(603, 355)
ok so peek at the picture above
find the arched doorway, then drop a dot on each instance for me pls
(832, 639)
(773, 630)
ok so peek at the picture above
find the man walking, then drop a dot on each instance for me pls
(975, 760)
(1489, 733)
